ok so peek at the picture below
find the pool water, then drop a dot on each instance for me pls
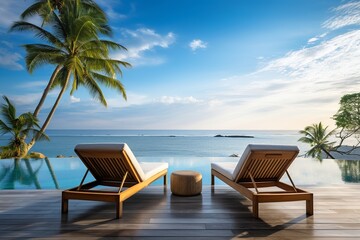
(63, 173)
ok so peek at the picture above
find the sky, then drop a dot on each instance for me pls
(205, 64)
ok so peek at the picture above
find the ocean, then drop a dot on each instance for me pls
(181, 149)
(165, 143)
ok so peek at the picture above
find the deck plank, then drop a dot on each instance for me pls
(155, 214)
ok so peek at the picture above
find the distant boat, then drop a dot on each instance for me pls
(234, 136)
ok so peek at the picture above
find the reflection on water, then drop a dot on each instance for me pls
(65, 173)
(350, 170)
(23, 173)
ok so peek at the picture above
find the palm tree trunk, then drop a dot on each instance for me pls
(51, 113)
(46, 91)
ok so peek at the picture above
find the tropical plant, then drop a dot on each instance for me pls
(46, 9)
(318, 138)
(19, 127)
(347, 119)
(73, 45)
(348, 115)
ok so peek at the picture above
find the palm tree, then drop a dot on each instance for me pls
(75, 48)
(317, 136)
(45, 9)
(19, 128)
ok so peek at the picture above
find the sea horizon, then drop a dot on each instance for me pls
(172, 132)
(166, 143)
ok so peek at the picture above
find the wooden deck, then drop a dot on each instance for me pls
(153, 214)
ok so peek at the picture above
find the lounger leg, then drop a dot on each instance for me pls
(165, 179)
(255, 207)
(310, 207)
(119, 209)
(64, 205)
(212, 180)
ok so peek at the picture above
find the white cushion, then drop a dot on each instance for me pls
(145, 170)
(134, 161)
(152, 168)
(260, 147)
(225, 168)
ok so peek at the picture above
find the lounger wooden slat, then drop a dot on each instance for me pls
(262, 166)
(112, 165)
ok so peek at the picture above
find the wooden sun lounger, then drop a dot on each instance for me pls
(112, 165)
(262, 166)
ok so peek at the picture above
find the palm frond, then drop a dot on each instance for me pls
(8, 111)
(318, 138)
(59, 28)
(92, 6)
(94, 89)
(40, 136)
(39, 32)
(78, 75)
(113, 45)
(38, 8)
(60, 77)
(85, 29)
(4, 128)
(38, 55)
(110, 82)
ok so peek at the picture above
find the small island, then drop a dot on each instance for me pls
(234, 136)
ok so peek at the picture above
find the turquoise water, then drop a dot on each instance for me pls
(56, 173)
(182, 149)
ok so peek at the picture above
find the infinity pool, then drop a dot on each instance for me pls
(62, 173)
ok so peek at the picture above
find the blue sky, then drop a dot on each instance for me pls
(207, 64)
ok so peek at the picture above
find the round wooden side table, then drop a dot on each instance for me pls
(186, 183)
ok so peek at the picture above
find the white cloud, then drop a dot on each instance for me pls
(141, 41)
(317, 38)
(215, 103)
(74, 99)
(10, 60)
(300, 88)
(196, 44)
(180, 100)
(25, 99)
(135, 99)
(132, 99)
(314, 39)
(303, 86)
(33, 84)
(332, 60)
(346, 15)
